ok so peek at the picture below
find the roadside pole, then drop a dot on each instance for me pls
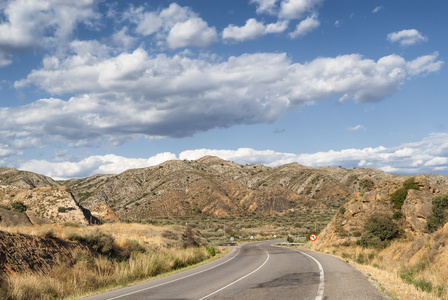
(313, 238)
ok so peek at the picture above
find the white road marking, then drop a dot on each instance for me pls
(267, 258)
(174, 280)
(320, 290)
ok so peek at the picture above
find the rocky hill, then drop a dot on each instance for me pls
(38, 199)
(24, 179)
(215, 187)
(411, 217)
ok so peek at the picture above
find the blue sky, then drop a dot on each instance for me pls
(92, 86)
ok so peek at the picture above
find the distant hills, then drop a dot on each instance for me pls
(209, 187)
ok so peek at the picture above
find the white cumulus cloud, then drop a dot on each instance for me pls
(429, 155)
(406, 37)
(176, 26)
(120, 98)
(41, 23)
(252, 30)
(305, 26)
(297, 9)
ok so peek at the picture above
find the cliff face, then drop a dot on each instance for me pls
(216, 187)
(348, 224)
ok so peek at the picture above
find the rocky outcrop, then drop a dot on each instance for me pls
(348, 224)
(45, 204)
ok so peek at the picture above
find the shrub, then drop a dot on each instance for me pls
(410, 184)
(398, 197)
(211, 250)
(101, 242)
(367, 184)
(439, 213)
(397, 215)
(19, 207)
(379, 230)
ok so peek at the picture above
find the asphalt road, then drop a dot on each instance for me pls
(258, 270)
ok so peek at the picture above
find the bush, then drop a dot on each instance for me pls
(101, 242)
(367, 184)
(397, 215)
(439, 213)
(410, 184)
(19, 207)
(398, 197)
(211, 250)
(379, 230)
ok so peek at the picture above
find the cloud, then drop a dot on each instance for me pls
(265, 6)
(305, 26)
(429, 155)
(377, 9)
(357, 128)
(41, 23)
(107, 164)
(175, 26)
(406, 37)
(191, 33)
(252, 30)
(121, 98)
(297, 9)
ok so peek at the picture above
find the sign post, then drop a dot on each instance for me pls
(313, 238)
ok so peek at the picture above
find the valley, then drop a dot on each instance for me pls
(110, 222)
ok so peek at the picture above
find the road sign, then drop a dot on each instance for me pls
(313, 237)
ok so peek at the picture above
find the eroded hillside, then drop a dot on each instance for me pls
(214, 187)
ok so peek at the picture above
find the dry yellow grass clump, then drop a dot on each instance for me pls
(123, 254)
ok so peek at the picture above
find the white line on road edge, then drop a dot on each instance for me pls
(320, 290)
(174, 280)
(267, 258)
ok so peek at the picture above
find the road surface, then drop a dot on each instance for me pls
(258, 270)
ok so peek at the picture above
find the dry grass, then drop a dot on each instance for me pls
(161, 254)
(415, 269)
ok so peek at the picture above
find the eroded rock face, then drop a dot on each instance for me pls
(416, 209)
(53, 204)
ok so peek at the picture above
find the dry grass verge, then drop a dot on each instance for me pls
(127, 253)
(416, 269)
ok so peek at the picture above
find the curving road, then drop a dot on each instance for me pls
(259, 270)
